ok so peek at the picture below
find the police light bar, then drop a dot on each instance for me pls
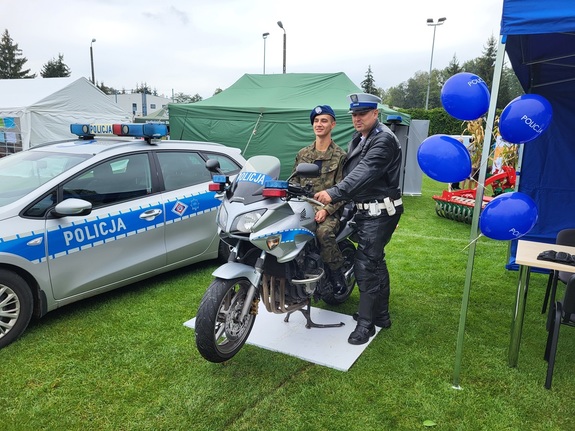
(275, 189)
(144, 130)
(90, 130)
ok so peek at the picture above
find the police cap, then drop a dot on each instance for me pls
(362, 102)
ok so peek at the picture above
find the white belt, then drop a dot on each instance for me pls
(380, 205)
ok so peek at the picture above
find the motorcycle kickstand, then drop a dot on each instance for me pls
(311, 324)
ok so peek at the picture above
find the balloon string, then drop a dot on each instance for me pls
(489, 157)
(475, 240)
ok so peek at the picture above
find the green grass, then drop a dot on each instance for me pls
(124, 360)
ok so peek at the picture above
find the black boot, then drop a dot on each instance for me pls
(365, 328)
(381, 317)
(338, 281)
(381, 309)
(385, 323)
(361, 335)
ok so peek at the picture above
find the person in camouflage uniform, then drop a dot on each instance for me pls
(329, 157)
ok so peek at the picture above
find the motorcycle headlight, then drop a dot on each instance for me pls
(244, 222)
(222, 217)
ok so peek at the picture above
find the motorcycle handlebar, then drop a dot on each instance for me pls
(304, 193)
(312, 201)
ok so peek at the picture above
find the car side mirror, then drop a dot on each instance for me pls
(72, 207)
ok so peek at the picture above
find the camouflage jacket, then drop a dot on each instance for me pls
(331, 168)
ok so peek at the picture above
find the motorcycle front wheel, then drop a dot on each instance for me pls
(220, 333)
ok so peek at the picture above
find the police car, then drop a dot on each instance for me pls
(84, 216)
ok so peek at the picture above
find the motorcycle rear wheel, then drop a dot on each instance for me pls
(219, 332)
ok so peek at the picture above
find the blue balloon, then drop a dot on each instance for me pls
(465, 96)
(444, 159)
(508, 216)
(525, 118)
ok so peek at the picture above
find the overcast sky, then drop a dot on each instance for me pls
(196, 46)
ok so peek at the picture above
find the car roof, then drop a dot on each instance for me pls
(104, 144)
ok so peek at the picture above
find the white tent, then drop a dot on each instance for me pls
(33, 111)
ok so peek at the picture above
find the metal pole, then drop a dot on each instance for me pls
(431, 23)
(284, 52)
(265, 35)
(282, 27)
(430, 66)
(92, 61)
(476, 212)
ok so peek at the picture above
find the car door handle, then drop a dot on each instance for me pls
(150, 214)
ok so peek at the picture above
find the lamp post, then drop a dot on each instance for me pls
(430, 22)
(282, 27)
(92, 61)
(265, 36)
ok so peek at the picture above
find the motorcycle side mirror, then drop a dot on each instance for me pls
(306, 170)
(213, 165)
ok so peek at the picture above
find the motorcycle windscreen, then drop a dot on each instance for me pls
(250, 182)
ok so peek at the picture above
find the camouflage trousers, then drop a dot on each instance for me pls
(329, 250)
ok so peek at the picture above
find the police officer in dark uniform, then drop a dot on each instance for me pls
(371, 180)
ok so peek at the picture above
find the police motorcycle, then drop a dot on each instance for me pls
(274, 255)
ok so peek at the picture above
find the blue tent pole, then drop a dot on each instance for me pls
(477, 207)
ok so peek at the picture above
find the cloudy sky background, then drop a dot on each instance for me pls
(194, 47)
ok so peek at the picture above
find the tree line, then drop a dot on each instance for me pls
(412, 93)
(409, 95)
(13, 63)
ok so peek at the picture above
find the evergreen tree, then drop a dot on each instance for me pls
(109, 90)
(196, 98)
(484, 66)
(452, 69)
(186, 98)
(11, 60)
(55, 68)
(143, 88)
(368, 84)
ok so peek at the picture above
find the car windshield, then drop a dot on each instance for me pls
(22, 172)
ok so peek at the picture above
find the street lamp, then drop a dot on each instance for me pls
(434, 25)
(92, 61)
(282, 27)
(265, 36)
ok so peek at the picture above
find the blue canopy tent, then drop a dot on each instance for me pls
(539, 38)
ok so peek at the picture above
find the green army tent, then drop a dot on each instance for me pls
(269, 114)
(159, 116)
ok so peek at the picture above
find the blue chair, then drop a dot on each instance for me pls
(560, 313)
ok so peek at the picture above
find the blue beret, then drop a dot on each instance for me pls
(360, 102)
(321, 110)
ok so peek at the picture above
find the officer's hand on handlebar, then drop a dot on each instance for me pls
(323, 197)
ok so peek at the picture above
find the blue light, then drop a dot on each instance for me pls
(80, 130)
(220, 179)
(394, 118)
(276, 184)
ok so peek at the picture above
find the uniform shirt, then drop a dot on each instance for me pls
(331, 170)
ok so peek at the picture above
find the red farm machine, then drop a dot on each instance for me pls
(458, 204)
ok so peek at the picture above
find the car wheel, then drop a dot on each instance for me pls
(16, 305)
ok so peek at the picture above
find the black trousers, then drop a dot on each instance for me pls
(373, 234)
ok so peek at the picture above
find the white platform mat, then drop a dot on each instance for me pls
(322, 346)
